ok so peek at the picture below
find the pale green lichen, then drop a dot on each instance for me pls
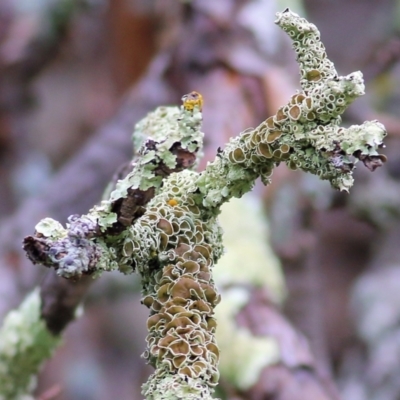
(174, 240)
(50, 228)
(309, 124)
(222, 179)
(176, 387)
(165, 126)
(25, 343)
(79, 249)
(182, 247)
(105, 219)
(244, 355)
(305, 133)
(262, 267)
(249, 264)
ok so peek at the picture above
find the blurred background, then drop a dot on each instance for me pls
(76, 75)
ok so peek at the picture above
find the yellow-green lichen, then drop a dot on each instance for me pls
(244, 354)
(246, 232)
(180, 293)
(305, 133)
(176, 387)
(165, 126)
(48, 227)
(171, 235)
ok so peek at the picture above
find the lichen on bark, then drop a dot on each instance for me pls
(161, 219)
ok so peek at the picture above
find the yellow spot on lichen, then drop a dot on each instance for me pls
(191, 100)
(172, 202)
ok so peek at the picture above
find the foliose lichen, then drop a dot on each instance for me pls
(305, 133)
(309, 123)
(169, 140)
(157, 137)
(244, 355)
(161, 219)
(181, 295)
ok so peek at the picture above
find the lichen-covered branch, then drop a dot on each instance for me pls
(89, 242)
(160, 221)
(305, 133)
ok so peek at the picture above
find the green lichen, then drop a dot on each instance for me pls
(244, 354)
(163, 135)
(305, 134)
(262, 267)
(25, 343)
(165, 126)
(176, 387)
(309, 124)
(223, 180)
(105, 219)
(50, 228)
(248, 265)
(171, 236)
(182, 247)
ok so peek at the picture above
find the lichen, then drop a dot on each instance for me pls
(262, 267)
(25, 343)
(305, 133)
(244, 355)
(176, 387)
(169, 139)
(182, 248)
(48, 227)
(165, 127)
(161, 219)
(310, 121)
